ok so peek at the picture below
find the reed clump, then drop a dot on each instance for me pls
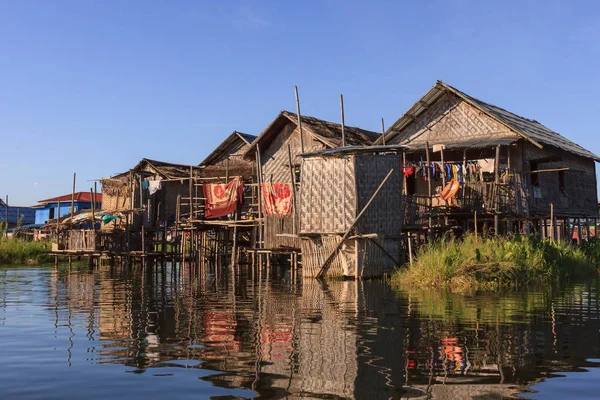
(18, 251)
(476, 263)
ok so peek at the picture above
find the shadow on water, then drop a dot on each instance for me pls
(207, 332)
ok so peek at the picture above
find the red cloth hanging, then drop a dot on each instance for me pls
(277, 199)
(222, 198)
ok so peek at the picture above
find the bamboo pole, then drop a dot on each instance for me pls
(191, 193)
(497, 181)
(293, 180)
(342, 112)
(327, 262)
(404, 189)
(6, 215)
(475, 225)
(73, 196)
(299, 120)
(260, 213)
(552, 222)
(58, 220)
(410, 255)
(93, 210)
(382, 131)
(429, 194)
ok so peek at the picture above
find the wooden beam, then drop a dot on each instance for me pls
(342, 114)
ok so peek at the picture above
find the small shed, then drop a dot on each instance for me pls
(337, 185)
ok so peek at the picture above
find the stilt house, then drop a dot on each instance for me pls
(277, 151)
(512, 170)
(338, 185)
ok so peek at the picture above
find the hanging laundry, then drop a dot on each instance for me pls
(277, 199)
(154, 186)
(408, 171)
(145, 185)
(450, 190)
(223, 198)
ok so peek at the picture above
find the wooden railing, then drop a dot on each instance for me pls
(81, 240)
(484, 197)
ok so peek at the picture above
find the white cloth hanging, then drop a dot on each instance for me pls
(154, 186)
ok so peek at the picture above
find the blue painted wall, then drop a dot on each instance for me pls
(42, 215)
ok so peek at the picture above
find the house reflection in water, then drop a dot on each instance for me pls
(268, 332)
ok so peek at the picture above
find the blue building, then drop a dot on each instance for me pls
(47, 209)
(16, 215)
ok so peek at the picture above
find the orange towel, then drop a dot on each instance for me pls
(450, 190)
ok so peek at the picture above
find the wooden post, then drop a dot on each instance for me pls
(497, 182)
(404, 189)
(475, 224)
(259, 179)
(191, 186)
(552, 238)
(299, 120)
(6, 214)
(410, 255)
(342, 112)
(73, 197)
(293, 180)
(579, 231)
(464, 168)
(227, 170)
(58, 220)
(382, 131)
(327, 262)
(93, 211)
(443, 169)
(429, 194)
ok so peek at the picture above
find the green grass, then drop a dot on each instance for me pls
(491, 263)
(17, 251)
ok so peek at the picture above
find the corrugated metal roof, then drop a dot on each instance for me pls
(79, 196)
(529, 129)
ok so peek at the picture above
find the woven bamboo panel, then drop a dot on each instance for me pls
(328, 201)
(315, 251)
(451, 120)
(384, 215)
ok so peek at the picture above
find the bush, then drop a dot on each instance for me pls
(499, 261)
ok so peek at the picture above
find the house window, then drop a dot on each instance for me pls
(51, 216)
(535, 180)
(561, 181)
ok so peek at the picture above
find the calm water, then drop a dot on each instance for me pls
(134, 333)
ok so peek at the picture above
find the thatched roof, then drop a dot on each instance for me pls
(164, 169)
(235, 144)
(329, 133)
(525, 128)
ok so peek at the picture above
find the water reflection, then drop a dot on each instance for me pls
(269, 333)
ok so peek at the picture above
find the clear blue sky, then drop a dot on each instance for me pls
(94, 86)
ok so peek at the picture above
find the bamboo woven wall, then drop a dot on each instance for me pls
(384, 216)
(328, 198)
(315, 251)
(579, 198)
